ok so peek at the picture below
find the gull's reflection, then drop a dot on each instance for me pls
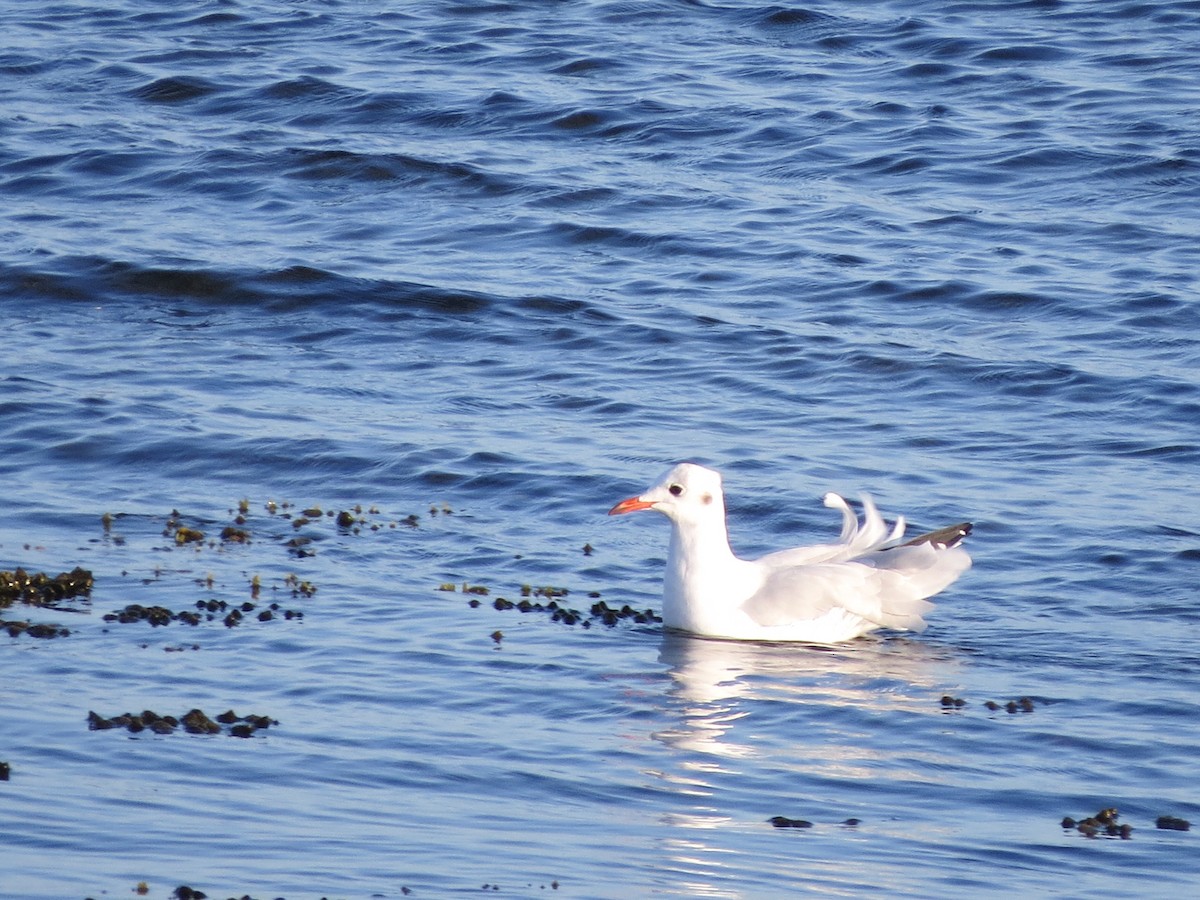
(751, 724)
(715, 683)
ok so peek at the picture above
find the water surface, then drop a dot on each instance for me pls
(497, 267)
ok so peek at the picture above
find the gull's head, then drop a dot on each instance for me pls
(687, 494)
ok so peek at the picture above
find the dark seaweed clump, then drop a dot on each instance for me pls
(33, 629)
(1102, 823)
(206, 611)
(193, 722)
(1023, 704)
(40, 589)
(785, 822)
(547, 600)
(1171, 823)
(186, 892)
(600, 612)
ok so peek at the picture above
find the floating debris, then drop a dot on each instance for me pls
(1102, 823)
(33, 629)
(785, 822)
(185, 535)
(194, 721)
(232, 535)
(309, 516)
(1171, 823)
(206, 611)
(299, 546)
(299, 587)
(134, 723)
(155, 615)
(600, 612)
(611, 616)
(40, 589)
(548, 592)
(1024, 704)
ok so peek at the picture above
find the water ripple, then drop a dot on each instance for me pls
(471, 273)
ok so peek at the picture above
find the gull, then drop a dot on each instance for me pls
(869, 578)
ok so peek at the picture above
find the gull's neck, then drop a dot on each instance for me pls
(700, 544)
(703, 576)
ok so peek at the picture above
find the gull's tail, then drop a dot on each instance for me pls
(950, 536)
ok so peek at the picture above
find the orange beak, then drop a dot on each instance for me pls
(633, 504)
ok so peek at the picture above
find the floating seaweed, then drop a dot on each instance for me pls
(1171, 823)
(299, 587)
(185, 535)
(599, 612)
(186, 892)
(950, 703)
(307, 516)
(1102, 823)
(40, 589)
(785, 822)
(1024, 704)
(194, 721)
(33, 629)
(205, 611)
(235, 535)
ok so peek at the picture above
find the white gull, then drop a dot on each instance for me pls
(824, 594)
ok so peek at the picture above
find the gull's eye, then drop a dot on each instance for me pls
(676, 490)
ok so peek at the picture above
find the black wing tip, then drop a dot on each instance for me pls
(951, 536)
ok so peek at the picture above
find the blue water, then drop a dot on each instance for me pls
(497, 266)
